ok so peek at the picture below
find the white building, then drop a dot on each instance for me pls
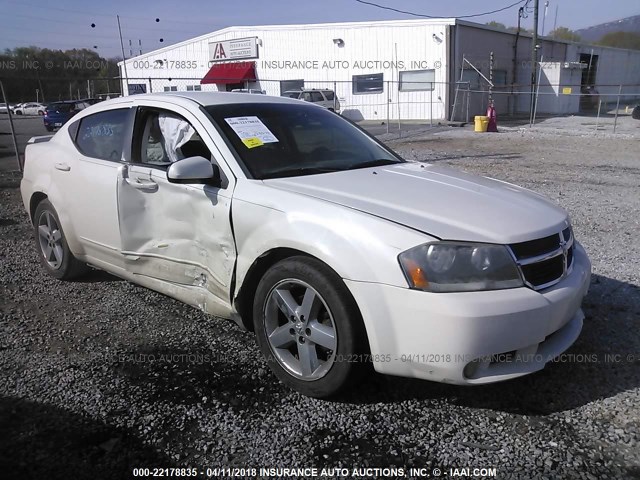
(410, 69)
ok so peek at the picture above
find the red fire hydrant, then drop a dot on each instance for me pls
(493, 119)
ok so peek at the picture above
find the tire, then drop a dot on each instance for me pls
(49, 129)
(636, 113)
(19, 112)
(52, 247)
(331, 340)
(40, 112)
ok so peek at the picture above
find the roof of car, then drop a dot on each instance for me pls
(201, 98)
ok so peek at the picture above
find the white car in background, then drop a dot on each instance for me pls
(31, 108)
(300, 226)
(324, 97)
(4, 107)
(249, 90)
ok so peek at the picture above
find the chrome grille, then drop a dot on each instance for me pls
(545, 261)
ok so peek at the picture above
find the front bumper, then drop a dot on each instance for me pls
(449, 337)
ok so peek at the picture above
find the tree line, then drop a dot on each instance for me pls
(45, 75)
(628, 40)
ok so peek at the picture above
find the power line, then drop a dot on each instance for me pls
(384, 7)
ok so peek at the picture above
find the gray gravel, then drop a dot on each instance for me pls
(100, 376)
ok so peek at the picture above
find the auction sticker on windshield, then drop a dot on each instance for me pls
(251, 131)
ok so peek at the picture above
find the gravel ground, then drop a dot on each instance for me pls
(100, 376)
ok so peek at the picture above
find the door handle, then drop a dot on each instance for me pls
(150, 185)
(62, 167)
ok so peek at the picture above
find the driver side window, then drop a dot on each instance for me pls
(164, 137)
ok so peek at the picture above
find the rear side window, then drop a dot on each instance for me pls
(329, 95)
(101, 135)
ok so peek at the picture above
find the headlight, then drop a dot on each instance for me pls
(459, 267)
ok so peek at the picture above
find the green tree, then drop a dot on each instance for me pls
(563, 33)
(502, 26)
(498, 25)
(621, 40)
(31, 73)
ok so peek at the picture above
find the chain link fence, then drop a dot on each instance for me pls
(460, 100)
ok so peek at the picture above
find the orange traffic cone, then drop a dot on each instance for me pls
(493, 118)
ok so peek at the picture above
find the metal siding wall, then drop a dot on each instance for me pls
(415, 43)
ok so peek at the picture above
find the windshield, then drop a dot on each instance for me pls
(275, 140)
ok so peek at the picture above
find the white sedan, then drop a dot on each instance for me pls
(299, 226)
(29, 109)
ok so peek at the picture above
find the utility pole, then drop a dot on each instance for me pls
(534, 57)
(124, 59)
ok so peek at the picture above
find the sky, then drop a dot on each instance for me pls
(65, 24)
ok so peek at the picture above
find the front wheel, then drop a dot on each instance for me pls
(309, 328)
(54, 252)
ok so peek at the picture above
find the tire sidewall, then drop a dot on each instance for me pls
(65, 268)
(346, 318)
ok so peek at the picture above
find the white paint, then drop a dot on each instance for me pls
(178, 239)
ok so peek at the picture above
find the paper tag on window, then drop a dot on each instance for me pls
(252, 142)
(251, 130)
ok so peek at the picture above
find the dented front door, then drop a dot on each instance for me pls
(178, 233)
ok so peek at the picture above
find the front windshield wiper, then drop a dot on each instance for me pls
(294, 172)
(373, 163)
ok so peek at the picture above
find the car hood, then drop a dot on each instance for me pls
(439, 201)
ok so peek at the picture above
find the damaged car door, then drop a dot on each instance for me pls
(178, 233)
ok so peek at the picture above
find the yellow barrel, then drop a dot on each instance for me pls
(481, 123)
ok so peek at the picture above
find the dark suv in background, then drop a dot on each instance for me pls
(58, 113)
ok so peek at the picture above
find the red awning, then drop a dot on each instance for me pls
(235, 72)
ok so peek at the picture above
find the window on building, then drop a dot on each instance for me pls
(499, 77)
(289, 85)
(417, 80)
(171, 89)
(372, 83)
(101, 135)
(194, 88)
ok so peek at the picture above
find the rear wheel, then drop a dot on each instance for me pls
(53, 250)
(309, 327)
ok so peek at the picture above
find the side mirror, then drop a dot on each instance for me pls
(194, 170)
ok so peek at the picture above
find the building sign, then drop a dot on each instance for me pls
(136, 88)
(233, 49)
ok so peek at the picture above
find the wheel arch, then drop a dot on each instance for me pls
(243, 301)
(36, 199)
